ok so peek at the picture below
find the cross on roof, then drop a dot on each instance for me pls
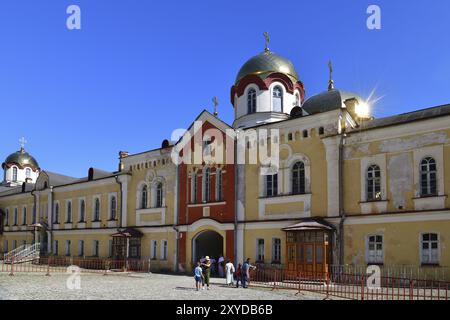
(22, 142)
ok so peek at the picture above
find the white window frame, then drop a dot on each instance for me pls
(81, 248)
(252, 105)
(438, 250)
(376, 258)
(258, 250)
(55, 247)
(67, 247)
(206, 184)
(56, 212)
(80, 201)
(16, 216)
(96, 218)
(372, 182)
(24, 215)
(110, 208)
(274, 250)
(163, 249)
(67, 212)
(95, 248)
(153, 249)
(428, 173)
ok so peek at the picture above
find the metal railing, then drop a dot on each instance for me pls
(344, 284)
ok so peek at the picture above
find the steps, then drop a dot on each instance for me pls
(24, 253)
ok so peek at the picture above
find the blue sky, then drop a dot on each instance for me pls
(139, 69)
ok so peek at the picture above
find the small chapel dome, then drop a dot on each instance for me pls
(22, 159)
(328, 100)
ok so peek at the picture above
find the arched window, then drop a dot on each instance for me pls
(277, 96)
(97, 209)
(373, 183)
(251, 101)
(207, 185)
(428, 173)
(56, 217)
(82, 210)
(28, 173)
(194, 188)
(297, 100)
(113, 208)
(298, 178)
(14, 177)
(144, 197)
(218, 185)
(69, 212)
(159, 195)
(271, 185)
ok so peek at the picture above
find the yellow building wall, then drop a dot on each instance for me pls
(250, 243)
(401, 241)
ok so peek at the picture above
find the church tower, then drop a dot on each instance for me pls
(20, 167)
(266, 89)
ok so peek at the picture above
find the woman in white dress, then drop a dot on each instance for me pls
(229, 270)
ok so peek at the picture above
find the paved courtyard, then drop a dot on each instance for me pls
(130, 286)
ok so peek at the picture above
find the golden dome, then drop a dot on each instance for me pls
(266, 63)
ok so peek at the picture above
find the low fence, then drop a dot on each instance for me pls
(356, 286)
(50, 265)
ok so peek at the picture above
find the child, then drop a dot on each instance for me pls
(198, 276)
(238, 274)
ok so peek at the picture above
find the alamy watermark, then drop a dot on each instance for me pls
(73, 282)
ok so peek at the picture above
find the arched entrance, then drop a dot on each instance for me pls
(207, 243)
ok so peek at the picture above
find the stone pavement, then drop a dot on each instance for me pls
(131, 286)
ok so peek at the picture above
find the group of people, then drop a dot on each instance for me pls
(241, 274)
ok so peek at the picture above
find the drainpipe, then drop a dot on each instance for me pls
(236, 171)
(121, 200)
(341, 194)
(50, 220)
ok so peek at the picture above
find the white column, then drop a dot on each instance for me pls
(124, 179)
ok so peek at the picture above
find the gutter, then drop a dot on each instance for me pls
(121, 199)
(341, 195)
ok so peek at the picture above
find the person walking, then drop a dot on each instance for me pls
(198, 276)
(246, 272)
(229, 270)
(206, 267)
(221, 266)
(238, 275)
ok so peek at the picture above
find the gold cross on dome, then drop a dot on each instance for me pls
(267, 38)
(22, 142)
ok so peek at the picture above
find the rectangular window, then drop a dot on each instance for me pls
(276, 250)
(260, 250)
(375, 249)
(110, 248)
(430, 248)
(55, 247)
(95, 246)
(68, 247)
(14, 244)
(163, 249)
(7, 218)
(16, 217)
(271, 185)
(81, 248)
(24, 216)
(153, 249)
(5, 246)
